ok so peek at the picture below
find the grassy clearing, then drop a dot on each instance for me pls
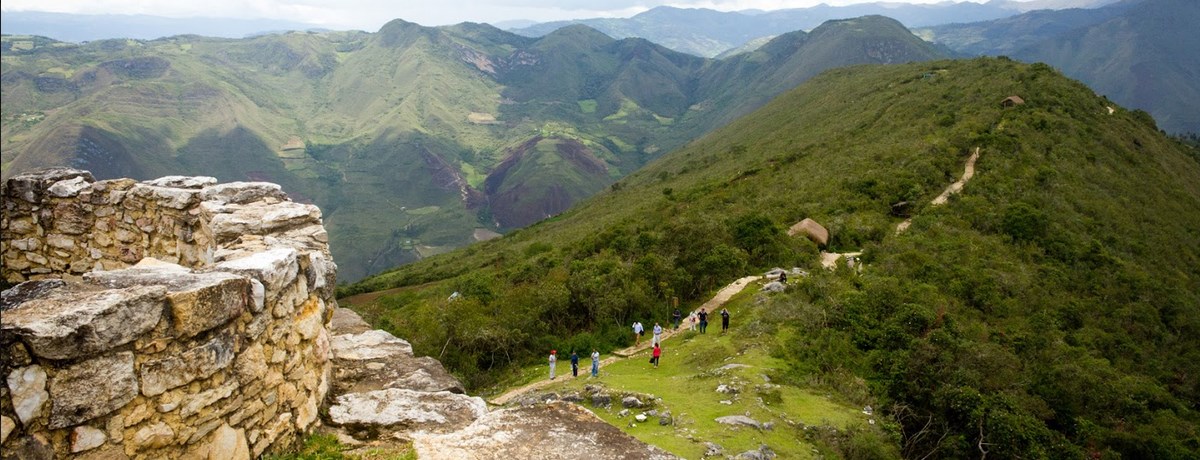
(693, 366)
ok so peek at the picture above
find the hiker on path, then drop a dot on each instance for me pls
(656, 355)
(724, 320)
(703, 321)
(553, 359)
(638, 332)
(595, 362)
(783, 277)
(657, 334)
(691, 320)
(574, 364)
(677, 315)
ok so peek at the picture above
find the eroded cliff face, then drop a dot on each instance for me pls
(173, 318)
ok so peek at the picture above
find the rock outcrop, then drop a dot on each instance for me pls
(173, 318)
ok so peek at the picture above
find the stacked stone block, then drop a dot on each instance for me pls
(175, 318)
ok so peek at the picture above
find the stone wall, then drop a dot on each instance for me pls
(173, 318)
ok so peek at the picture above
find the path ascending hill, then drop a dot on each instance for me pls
(829, 259)
(585, 363)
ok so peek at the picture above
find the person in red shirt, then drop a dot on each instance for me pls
(657, 354)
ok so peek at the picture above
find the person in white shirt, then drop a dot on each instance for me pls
(595, 362)
(657, 333)
(553, 359)
(638, 330)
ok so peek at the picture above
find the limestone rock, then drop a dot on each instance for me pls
(738, 420)
(198, 402)
(188, 182)
(153, 436)
(231, 221)
(28, 392)
(372, 344)
(394, 371)
(631, 402)
(601, 400)
(774, 286)
(665, 419)
(346, 321)
(521, 432)
(404, 409)
(84, 437)
(641, 418)
(73, 322)
(274, 268)
(30, 186)
(243, 192)
(29, 447)
(198, 301)
(91, 388)
(6, 428)
(712, 449)
(69, 188)
(228, 444)
(200, 362)
(171, 197)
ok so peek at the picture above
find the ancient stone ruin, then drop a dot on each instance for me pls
(172, 318)
(181, 318)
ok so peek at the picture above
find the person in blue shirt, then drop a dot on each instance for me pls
(574, 364)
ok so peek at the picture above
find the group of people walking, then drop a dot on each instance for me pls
(575, 363)
(695, 321)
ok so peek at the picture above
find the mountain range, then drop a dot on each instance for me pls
(413, 140)
(1140, 53)
(709, 33)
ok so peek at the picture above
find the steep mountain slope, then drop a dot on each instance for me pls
(1140, 53)
(1048, 310)
(410, 139)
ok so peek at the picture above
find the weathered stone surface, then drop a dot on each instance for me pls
(189, 182)
(27, 388)
(30, 186)
(91, 388)
(631, 402)
(244, 192)
(6, 428)
(70, 187)
(346, 321)
(84, 437)
(228, 444)
(274, 268)
(368, 345)
(738, 420)
(712, 449)
(27, 291)
(30, 447)
(197, 363)
(69, 323)
(400, 409)
(72, 219)
(198, 402)
(522, 432)
(153, 436)
(197, 301)
(230, 221)
(170, 197)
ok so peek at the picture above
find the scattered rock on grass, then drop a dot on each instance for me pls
(631, 402)
(712, 449)
(601, 400)
(739, 420)
(664, 419)
(641, 418)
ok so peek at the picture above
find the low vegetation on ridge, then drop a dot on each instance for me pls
(1048, 310)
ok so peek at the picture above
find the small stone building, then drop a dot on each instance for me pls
(1012, 101)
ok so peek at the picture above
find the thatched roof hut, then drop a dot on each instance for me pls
(1012, 101)
(811, 229)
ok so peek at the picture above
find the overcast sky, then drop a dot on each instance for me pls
(369, 15)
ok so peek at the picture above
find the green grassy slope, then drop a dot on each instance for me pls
(1048, 310)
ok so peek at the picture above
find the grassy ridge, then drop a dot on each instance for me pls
(1050, 309)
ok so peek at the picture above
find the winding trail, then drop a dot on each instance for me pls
(828, 260)
(719, 299)
(968, 173)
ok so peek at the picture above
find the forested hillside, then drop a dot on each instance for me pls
(413, 140)
(1048, 310)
